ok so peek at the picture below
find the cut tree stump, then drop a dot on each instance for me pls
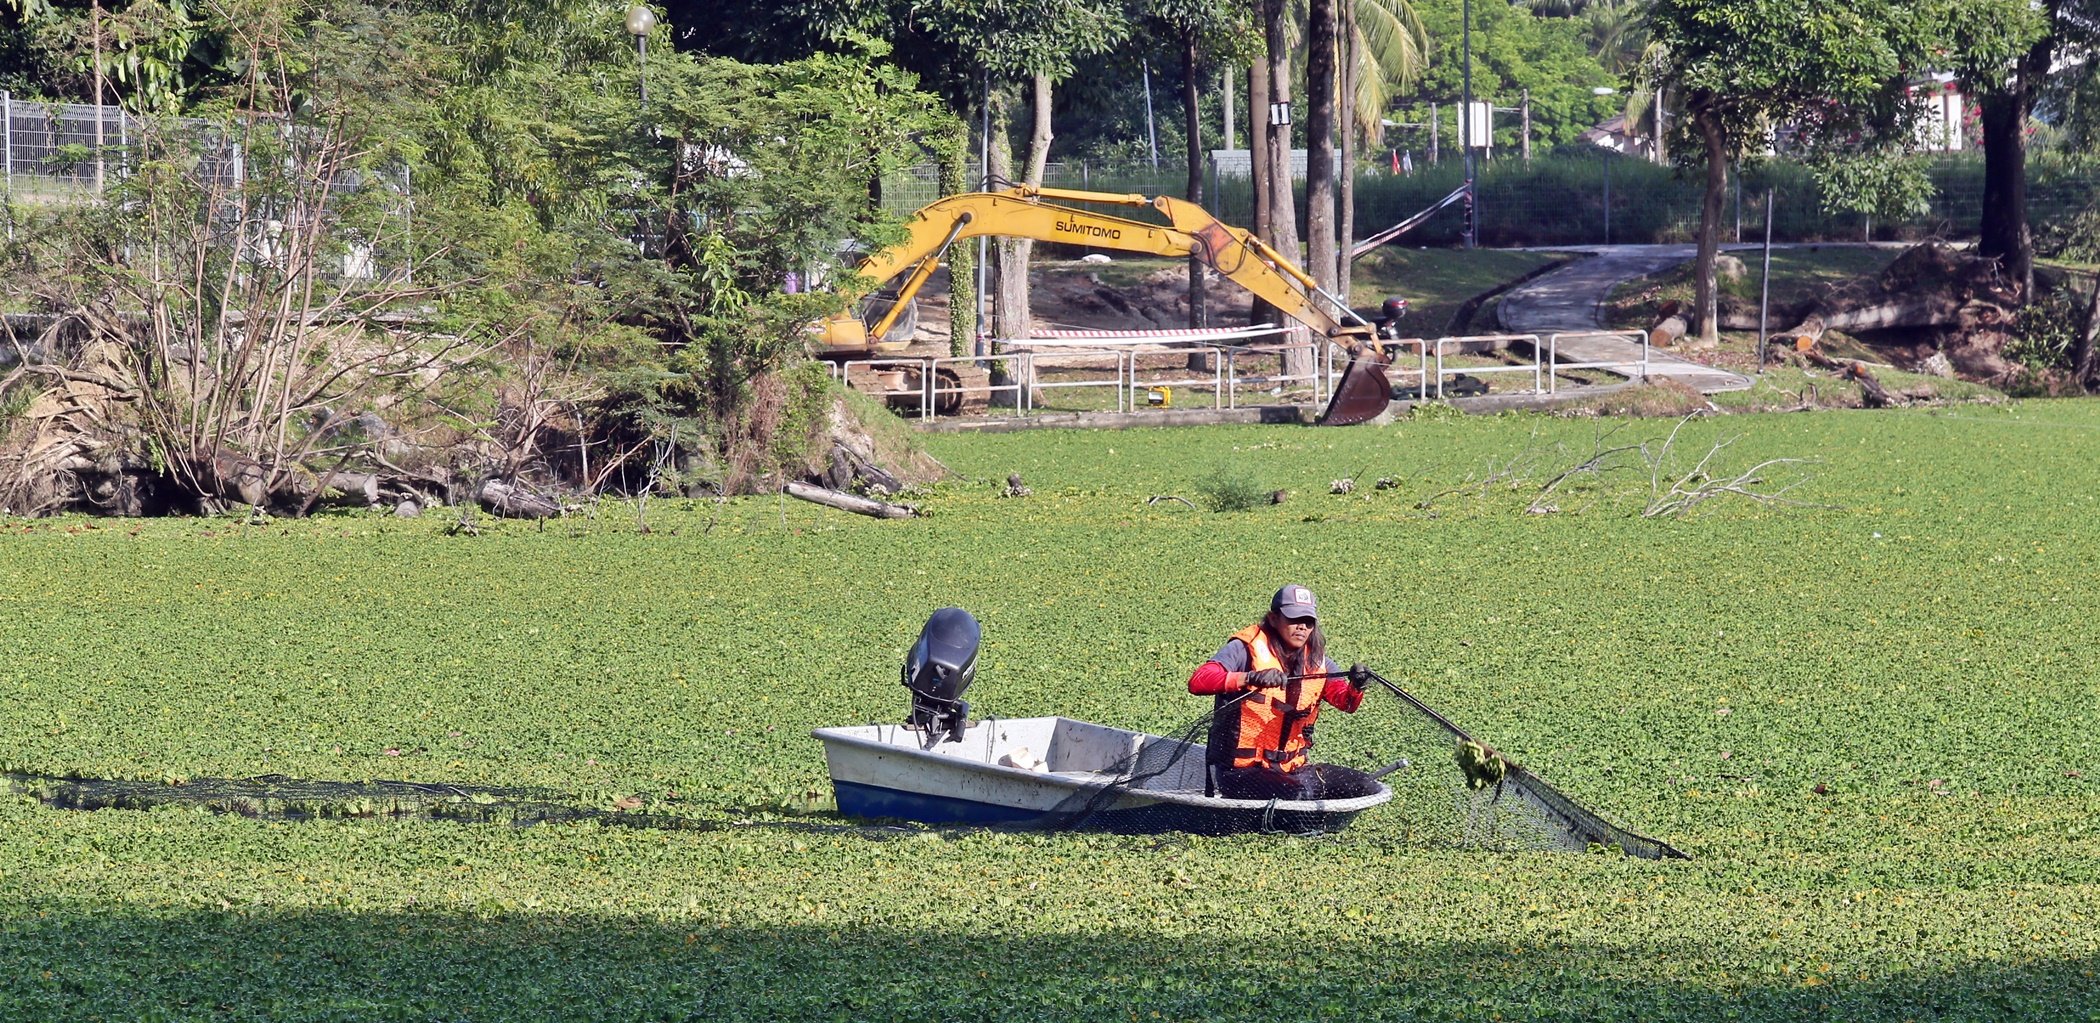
(1666, 332)
(1669, 325)
(850, 502)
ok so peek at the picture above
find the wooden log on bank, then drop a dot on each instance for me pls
(510, 501)
(1871, 393)
(849, 502)
(1667, 330)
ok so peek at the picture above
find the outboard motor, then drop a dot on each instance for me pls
(940, 666)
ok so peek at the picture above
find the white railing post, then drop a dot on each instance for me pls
(7, 128)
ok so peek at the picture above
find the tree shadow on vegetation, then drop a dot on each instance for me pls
(67, 961)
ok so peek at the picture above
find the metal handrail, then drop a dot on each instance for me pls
(1537, 381)
(1225, 380)
(1553, 354)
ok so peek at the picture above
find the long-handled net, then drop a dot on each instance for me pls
(1504, 803)
(1499, 803)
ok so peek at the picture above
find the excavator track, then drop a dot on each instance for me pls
(959, 388)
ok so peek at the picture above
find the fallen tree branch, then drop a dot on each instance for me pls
(849, 502)
(1697, 486)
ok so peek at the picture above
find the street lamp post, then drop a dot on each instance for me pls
(640, 20)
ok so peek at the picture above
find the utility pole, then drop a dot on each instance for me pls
(1151, 133)
(1527, 125)
(1660, 157)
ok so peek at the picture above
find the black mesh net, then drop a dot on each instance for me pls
(1498, 803)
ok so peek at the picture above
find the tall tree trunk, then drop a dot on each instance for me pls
(2004, 232)
(1010, 316)
(1010, 320)
(1039, 138)
(1258, 168)
(1198, 315)
(1283, 198)
(962, 258)
(1009, 301)
(1351, 54)
(1283, 202)
(1258, 144)
(1716, 139)
(1319, 141)
(2085, 355)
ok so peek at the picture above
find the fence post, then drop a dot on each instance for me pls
(7, 129)
(408, 224)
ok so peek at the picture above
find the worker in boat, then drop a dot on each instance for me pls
(1268, 682)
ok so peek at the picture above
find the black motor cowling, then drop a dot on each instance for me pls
(940, 666)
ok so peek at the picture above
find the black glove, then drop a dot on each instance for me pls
(1267, 678)
(1359, 676)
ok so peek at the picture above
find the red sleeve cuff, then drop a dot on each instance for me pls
(1210, 680)
(1344, 696)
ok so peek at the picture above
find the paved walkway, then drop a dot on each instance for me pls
(1571, 299)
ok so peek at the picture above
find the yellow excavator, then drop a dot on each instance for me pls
(1021, 212)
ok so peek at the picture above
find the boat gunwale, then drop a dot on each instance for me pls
(1077, 781)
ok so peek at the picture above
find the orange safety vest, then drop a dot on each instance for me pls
(1274, 727)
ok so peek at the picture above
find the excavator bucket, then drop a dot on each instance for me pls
(1364, 391)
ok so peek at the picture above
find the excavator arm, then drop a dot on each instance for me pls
(1190, 230)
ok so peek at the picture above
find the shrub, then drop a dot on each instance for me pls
(1229, 490)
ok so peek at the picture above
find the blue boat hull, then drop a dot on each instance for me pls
(873, 802)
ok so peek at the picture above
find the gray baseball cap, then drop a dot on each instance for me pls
(1294, 601)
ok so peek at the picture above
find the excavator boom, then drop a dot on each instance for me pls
(1190, 230)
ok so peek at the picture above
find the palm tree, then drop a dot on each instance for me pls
(1388, 50)
(1383, 49)
(1618, 31)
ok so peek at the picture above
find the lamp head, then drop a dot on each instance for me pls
(640, 20)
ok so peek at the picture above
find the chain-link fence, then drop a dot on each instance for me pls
(1577, 197)
(51, 150)
(54, 153)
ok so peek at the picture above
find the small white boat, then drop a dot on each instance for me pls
(1055, 772)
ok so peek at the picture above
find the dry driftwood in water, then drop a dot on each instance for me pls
(849, 502)
(511, 501)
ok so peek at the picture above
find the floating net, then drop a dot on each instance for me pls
(278, 797)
